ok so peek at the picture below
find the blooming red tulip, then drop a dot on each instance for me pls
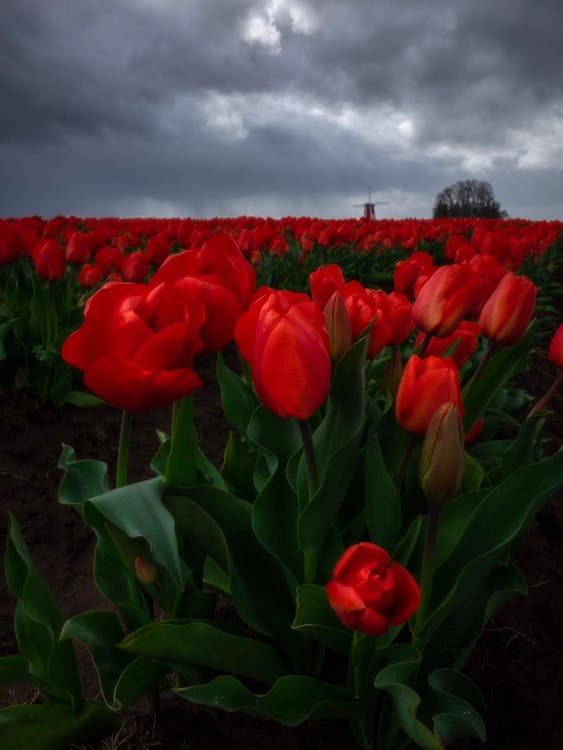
(283, 338)
(389, 314)
(220, 277)
(443, 301)
(78, 249)
(137, 344)
(369, 592)
(508, 311)
(135, 267)
(426, 385)
(555, 353)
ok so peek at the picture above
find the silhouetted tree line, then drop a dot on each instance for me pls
(467, 199)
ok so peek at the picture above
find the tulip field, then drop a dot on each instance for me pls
(290, 482)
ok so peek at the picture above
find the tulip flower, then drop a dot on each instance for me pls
(49, 259)
(369, 592)
(443, 301)
(426, 385)
(324, 282)
(338, 326)
(442, 455)
(508, 311)
(283, 338)
(466, 337)
(137, 344)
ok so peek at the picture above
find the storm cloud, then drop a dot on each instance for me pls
(227, 107)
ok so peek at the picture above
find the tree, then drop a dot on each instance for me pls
(467, 199)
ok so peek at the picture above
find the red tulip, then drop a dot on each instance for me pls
(426, 385)
(137, 344)
(508, 311)
(444, 300)
(555, 353)
(369, 592)
(466, 336)
(135, 267)
(78, 249)
(324, 282)
(283, 338)
(220, 277)
(49, 259)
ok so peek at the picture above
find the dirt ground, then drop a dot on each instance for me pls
(518, 663)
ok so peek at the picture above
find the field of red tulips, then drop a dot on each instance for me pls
(281, 482)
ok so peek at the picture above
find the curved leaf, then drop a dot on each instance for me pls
(202, 643)
(291, 701)
(316, 617)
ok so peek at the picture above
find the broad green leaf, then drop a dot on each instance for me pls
(138, 510)
(238, 467)
(477, 395)
(383, 504)
(523, 449)
(13, 669)
(202, 643)
(100, 632)
(37, 624)
(181, 466)
(337, 443)
(239, 399)
(82, 479)
(292, 700)
(316, 617)
(117, 586)
(454, 715)
(138, 678)
(84, 400)
(53, 726)
(397, 679)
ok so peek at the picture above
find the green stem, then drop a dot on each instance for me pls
(545, 399)
(404, 463)
(481, 366)
(424, 345)
(123, 449)
(427, 575)
(309, 554)
(310, 458)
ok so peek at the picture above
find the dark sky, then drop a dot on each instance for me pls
(283, 107)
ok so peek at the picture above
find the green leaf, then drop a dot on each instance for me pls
(292, 700)
(181, 467)
(138, 677)
(239, 399)
(238, 467)
(37, 624)
(84, 400)
(138, 510)
(316, 617)
(203, 644)
(477, 395)
(337, 443)
(383, 504)
(82, 479)
(100, 632)
(454, 715)
(13, 669)
(396, 679)
(53, 726)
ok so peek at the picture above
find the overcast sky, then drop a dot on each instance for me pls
(278, 107)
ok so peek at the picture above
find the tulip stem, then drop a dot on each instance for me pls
(123, 449)
(481, 366)
(310, 458)
(427, 575)
(404, 463)
(309, 554)
(544, 400)
(424, 345)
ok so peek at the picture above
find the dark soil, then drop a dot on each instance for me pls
(518, 663)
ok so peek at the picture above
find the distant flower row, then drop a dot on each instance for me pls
(132, 249)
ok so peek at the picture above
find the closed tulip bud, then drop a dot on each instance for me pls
(145, 571)
(338, 326)
(441, 458)
(506, 314)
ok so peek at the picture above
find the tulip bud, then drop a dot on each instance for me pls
(145, 571)
(441, 459)
(338, 326)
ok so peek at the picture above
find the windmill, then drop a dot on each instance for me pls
(369, 207)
